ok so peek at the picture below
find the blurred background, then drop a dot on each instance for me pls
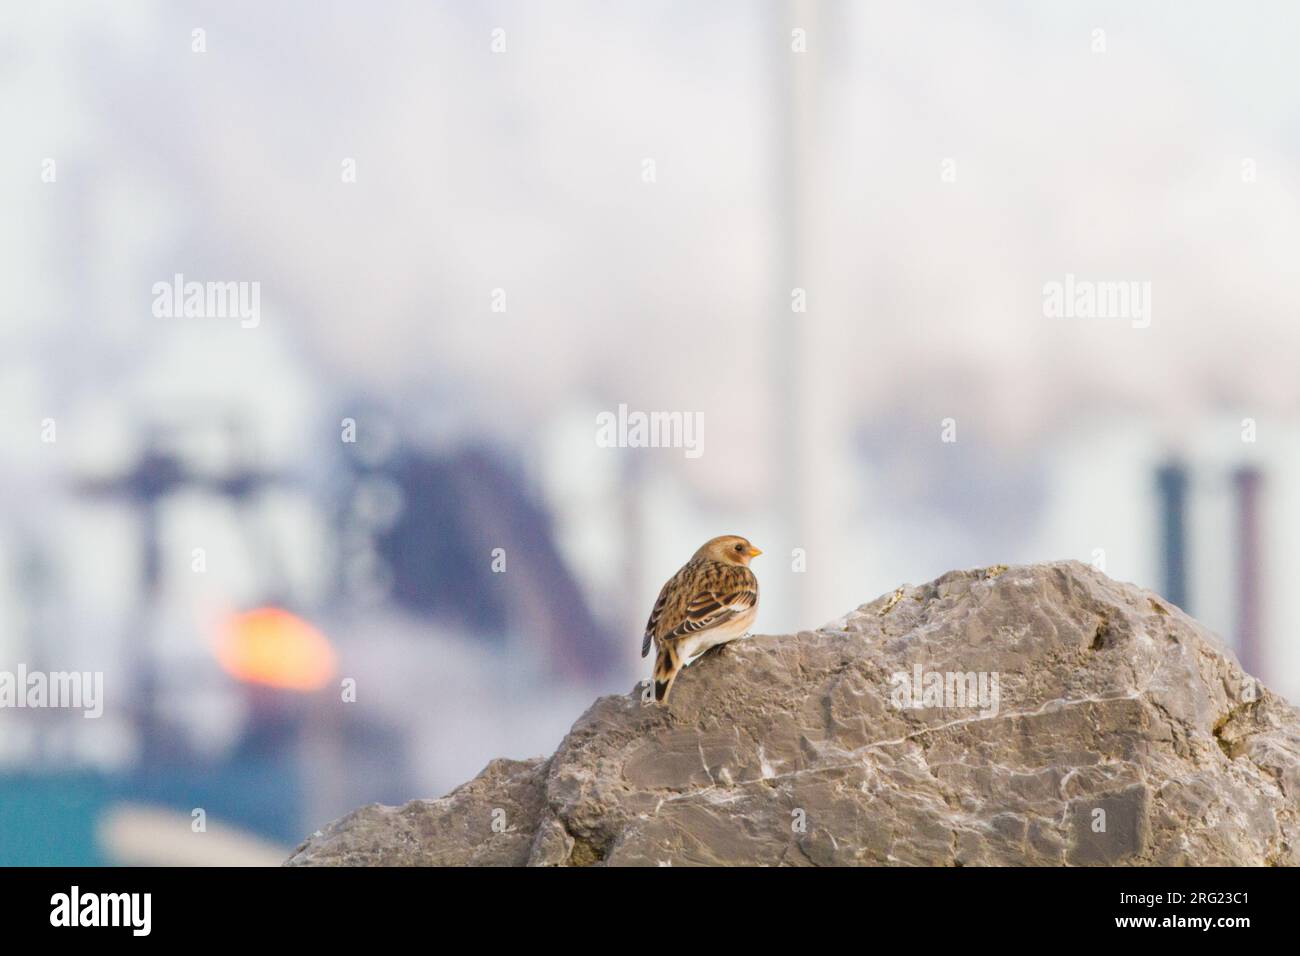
(352, 546)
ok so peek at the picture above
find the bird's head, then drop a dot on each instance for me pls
(729, 549)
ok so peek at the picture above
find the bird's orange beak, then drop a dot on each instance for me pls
(754, 552)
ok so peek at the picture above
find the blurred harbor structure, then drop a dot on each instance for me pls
(1171, 479)
(1248, 485)
(450, 661)
(1173, 483)
(267, 736)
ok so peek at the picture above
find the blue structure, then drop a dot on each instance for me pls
(1171, 482)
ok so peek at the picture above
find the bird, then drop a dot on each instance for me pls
(711, 600)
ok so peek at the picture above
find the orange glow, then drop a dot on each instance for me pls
(273, 647)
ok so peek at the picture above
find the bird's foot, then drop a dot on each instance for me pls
(716, 649)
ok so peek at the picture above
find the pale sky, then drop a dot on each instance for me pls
(1161, 150)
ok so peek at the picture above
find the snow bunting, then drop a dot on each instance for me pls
(711, 600)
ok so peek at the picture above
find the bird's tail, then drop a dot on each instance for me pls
(667, 664)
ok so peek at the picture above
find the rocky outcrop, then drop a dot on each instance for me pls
(1028, 715)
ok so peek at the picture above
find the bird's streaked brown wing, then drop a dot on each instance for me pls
(703, 595)
(661, 603)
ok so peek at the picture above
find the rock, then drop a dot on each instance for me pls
(1112, 729)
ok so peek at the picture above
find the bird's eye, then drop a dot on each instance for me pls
(740, 547)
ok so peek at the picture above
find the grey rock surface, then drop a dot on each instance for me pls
(1122, 732)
